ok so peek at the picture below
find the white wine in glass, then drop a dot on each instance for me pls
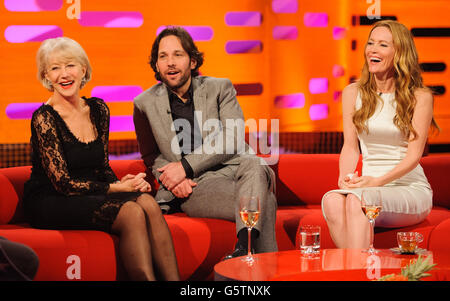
(249, 210)
(371, 205)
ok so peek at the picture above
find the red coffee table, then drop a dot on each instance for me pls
(329, 265)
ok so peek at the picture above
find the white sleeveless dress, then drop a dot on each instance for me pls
(407, 200)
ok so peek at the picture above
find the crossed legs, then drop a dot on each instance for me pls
(217, 196)
(145, 240)
(349, 227)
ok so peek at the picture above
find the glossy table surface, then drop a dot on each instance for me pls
(329, 265)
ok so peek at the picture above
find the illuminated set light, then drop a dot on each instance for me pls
(198, 33)
(111, 19)
(116, 93)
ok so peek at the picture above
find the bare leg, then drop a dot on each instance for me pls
(134, 247)
(334, 209)
(160, 239)
(358, 226)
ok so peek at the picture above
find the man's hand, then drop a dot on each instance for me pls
(184, 189)
(172, 175)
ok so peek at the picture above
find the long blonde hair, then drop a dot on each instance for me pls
(408, 79)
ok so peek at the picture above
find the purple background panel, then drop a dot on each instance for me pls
(290, 101)
(22, 110)
(121, 123)
(318, 85)
(129, 156)
(338, 71)
(248, 89)
(315, 19)
(243, 18)
(318, 111)
(31, 33)
(337, 95)
(249, 46)
(117, 19)
(116, 93)
(284, 6)
(198, 33)
(285, 32)
(33, 5)
(339, 32)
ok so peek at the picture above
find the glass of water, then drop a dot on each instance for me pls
(309, 239)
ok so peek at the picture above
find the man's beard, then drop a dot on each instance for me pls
(180, 84)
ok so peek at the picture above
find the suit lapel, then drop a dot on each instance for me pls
(163, 110)
(200, 104)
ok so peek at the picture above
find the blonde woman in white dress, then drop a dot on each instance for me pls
(389, 112)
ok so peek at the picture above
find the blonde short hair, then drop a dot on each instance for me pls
(70, 49)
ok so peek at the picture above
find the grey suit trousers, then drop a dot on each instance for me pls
(218, 192)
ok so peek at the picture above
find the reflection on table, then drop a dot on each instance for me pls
(329, 265)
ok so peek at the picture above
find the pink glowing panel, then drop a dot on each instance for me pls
(284, 6)
(111, 19)
(122, 123)
(249, 46)
(318, 85)
(31, 33)
(22, 110)
(116, 93)
(290, 101)
(318, 111)
(243, 18)
(338, 71)
(33, 5)
(337, 95)
(130, 156)
(339, 32)
(315, 19)
(198, 33)
(285, 32)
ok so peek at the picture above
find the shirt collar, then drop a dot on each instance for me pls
(173, 96)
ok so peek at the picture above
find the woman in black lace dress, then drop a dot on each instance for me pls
(72, 185)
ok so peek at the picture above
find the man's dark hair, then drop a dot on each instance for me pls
(186, 42)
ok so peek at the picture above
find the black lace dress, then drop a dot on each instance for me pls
(70, 179)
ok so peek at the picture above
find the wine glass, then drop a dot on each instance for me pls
(371, 205)
(249, 209)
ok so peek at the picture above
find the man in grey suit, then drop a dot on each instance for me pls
(190, 131)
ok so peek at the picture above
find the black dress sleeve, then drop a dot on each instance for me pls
(103, 120)
(47, 144)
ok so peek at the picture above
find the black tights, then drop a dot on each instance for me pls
(145, 240)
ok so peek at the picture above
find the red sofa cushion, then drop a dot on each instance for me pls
(199, 242)
(95, 251)
(439, 237)
(17, 177)
(304, 179)
(436, 168)
(8, 200)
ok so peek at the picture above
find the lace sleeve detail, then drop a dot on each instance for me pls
(47, 144)
(103, 119)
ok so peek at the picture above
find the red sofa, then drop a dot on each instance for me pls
(200, 243)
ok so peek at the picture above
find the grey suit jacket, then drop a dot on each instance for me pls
(218, 115)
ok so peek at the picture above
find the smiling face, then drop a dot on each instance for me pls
(65, 74)
(380, 51)
(174, 64)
